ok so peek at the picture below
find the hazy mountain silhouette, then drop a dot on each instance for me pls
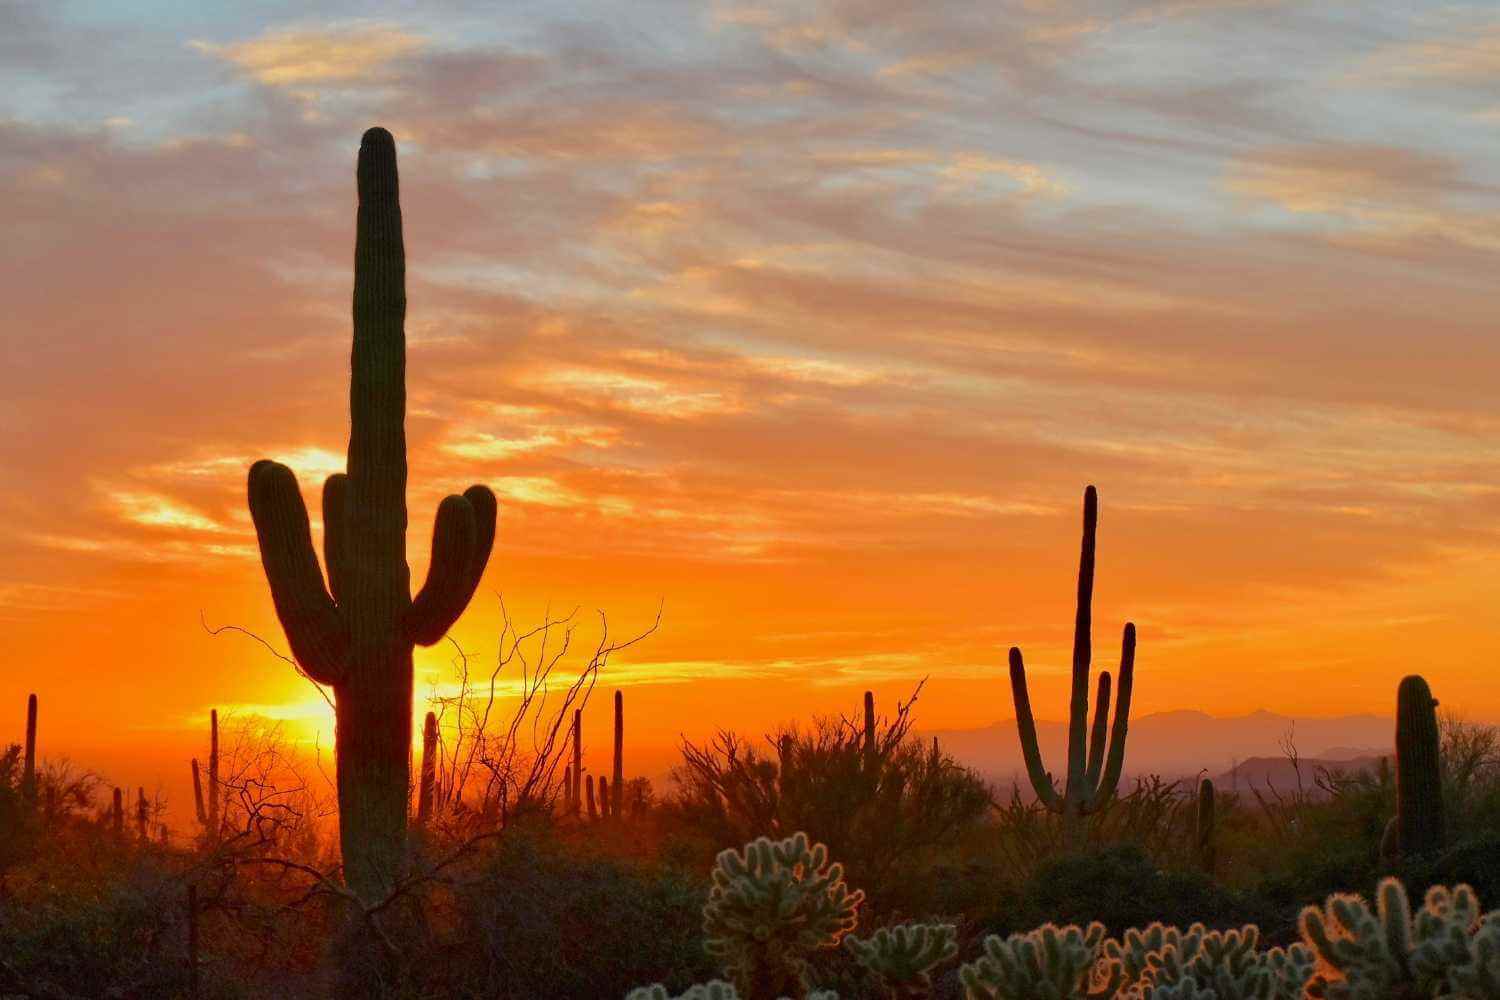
(1186, 743)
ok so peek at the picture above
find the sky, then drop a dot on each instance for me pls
(806, 323)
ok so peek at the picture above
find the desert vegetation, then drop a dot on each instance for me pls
(835, 857)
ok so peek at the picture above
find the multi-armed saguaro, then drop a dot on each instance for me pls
(1093, 774)
(357, 633)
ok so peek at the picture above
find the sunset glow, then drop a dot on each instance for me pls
(806, 324)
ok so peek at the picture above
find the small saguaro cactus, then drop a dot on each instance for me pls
(357, 633)
(869, 732)
(117, 814)
(1203, 829)
(1419, 826)
(617, 782)
(142, 814)
(588, 785)
(1093, 774)
(28, 766)
(577, 791)
(198, 809)
(605, 789)
(208, 817)
(428, 786)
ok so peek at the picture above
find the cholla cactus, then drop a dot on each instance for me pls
(715, 990)
(1228, 965)
(904, 956)
(1447, 950)
(1134, 953)
(1049, 963)
(772, 905)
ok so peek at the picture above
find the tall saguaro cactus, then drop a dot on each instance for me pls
(1419, 823)
(357, 633)
(1093, 772)
(28, 766)
(617, 783)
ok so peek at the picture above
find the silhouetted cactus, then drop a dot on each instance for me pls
(771, 906)
(588, 786)
(1450, 949)
(117, 814)
(577, 789)
(903, 957)
(617, 782)
(605, 790)
(869, 732)
(142, 814)
(428, 786)
(198, 809)
(357, 633)
(1093, 775)
(1418, 826)
(1203, 829)
(214, 816)
(28, 764)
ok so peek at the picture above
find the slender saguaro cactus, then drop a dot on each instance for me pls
(198, 794)
(357, 633)
(117, 814)
(1093, 774)
(213, 773)
(604, 793)
(617, 784)
(142, 814)
(588, 785)
(1205, 843)
(869, 745)
(28, 767)
(1419, 822)
(577, 759)
(429, 769)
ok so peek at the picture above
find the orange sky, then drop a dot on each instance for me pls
(809, 323)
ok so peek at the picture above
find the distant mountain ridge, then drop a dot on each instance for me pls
(1183, 743)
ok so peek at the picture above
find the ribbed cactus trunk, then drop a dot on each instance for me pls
(428, 785)
(617, 782)
(357, 633)
(1420, 827)
(1204, 838)
(1093, 771)
(28, 764)
(588, 785)
(117, 814)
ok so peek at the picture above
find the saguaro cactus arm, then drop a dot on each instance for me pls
(462, 537)
(1109, 781)
(336, 532)
(1041, 781)
(319, 639)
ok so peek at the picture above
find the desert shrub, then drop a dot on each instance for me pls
(1121, 887)
(123, 931)
(539, 920)
(887, 808)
